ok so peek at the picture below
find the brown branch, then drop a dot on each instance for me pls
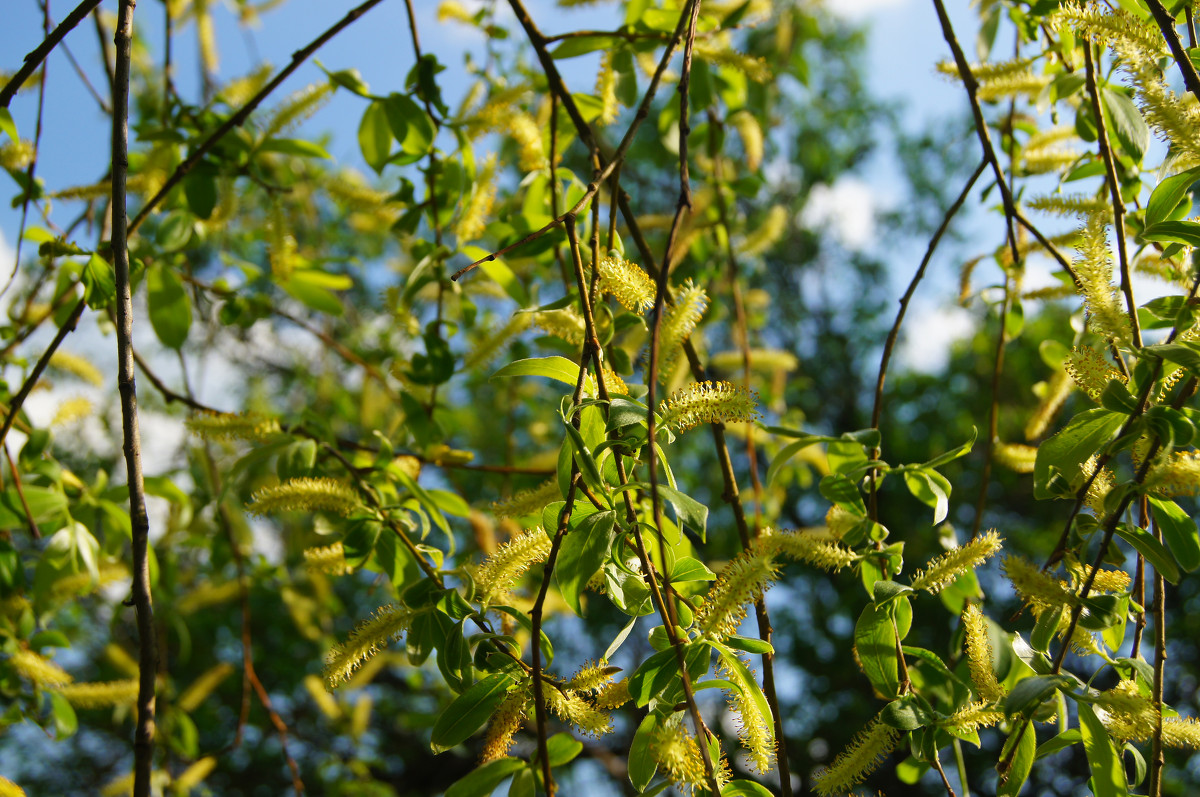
(12, 466)
(243, 113)
(143, 747)
(1166, 23)
(39, 53)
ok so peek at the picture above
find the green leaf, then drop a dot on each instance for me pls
(483, 781)
(581, 45)
(294, 146)
(583, 456)
(688, 569)
(744, 788)
(1184, 232)
(954, 453)
(375, 136)
(499, 273)
(410, 124)
(1108, 773)
(170, 308)
(99, 283)
(875, 641)
(562, 749)
(583, 551)
(1031, 692)
(469, 711)
(1024, 737)
(749, 644)
(1066, 451)
(786, 453)
(1127, 122)
(906, 714)
(200, 189)
(559, 369)
(1154, 551)
(652, 676)
(7, 125)
(1060, 742)
(1179, 531)
(350, 79)
(930, 488)
(741, 673)
(642, 765)
(688, 510)
(1168, 194)
(65, 721)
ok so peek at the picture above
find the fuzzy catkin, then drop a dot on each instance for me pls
(501, 570)
(858, 760)
(979, 655)
(940, 572)
(388, 623)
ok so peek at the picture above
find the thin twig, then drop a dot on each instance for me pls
(12, 466)
(18, 400)
(1166, 23)
(243, 113)
(143, 747)
(39, 53)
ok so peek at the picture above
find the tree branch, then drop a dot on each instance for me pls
(39, 53)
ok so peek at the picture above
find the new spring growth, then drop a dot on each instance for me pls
(40, 671)
(305, 494)
(974, 716)
(528, 502)
(743, 581)
(817, 548)
(677, 753)
(755, 729)
(77, 366)
(388, 623)
(860, 759)
(505, 723)
(679, 319)
(606, 90)
(592, 677)
(1090, 372)
(10, 789)
(229, 426)
(979, 655)
(941, 571)
(569, 706)
(1038, 590)
(100, 695)
(329, 559)
(1015, 457)
(708, 402)
(627, 282)
(501, 570)
(1128, 714)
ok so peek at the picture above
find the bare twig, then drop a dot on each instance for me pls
(15, 405)
(243, 113)
(12, 466)
(143, 747)
(1166, 23)
(39, 53)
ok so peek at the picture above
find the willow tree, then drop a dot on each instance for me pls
(516, 336)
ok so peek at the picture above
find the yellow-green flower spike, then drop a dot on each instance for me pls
(329, 559)
(627, 282)
(755, 729)
(100, 695)
(1038, 590)
(40, 671)
(679, 319)
(858, 760)
(501, 570)
(942, 571)
(974, 716)
(528, 502)
(228, 426)
(364, 642)
(708, 402)
(75, 365)
(505, 723)
(305, 495)
(743, 581)
(817, 548)
(979, 655)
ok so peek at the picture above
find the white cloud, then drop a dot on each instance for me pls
(929, 333)
(847, 209)
(858, 10)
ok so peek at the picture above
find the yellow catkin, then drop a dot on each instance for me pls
(194, 775)
(679, 319)
(627, 282)
(1015, 457)
(528, 502)
(1090, 372)
(330, 559)
(10, 789)
(613, 695)
(708, 402)
(1130, 714)
(505, 723)
(592, 677)
(204, 685)
(840, 521)
(1054, 395)
(751, 134)
(17, 155)
(1104, 581)
(606, 90)
(1100, 487)
(570, 707)
(858, 760)
(305, 494)
(1094, 269)
(119, 658)
(121, 786)
(743, 581)
(565, 323)
(768, 233)
(490, 345)
(360, 718)
(677, 753)
(478, 205)
(979, 655)
(297, 108)
(1176, 475)
(1069, 204)
(453, 10)
(388, 623)
(320, 695)
(72, 410)
(755, 729)
(769, 361)
(501, 570)
(719, 53)
(817, 548)
(100, 695)
(974, 716)
(1181, 732)
(40, 671)
(77, 366)
(207, 595)
(1037, 589)
(531, 151)
(230, 426)
(940, 572)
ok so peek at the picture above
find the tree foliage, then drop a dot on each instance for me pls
(485, 468)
